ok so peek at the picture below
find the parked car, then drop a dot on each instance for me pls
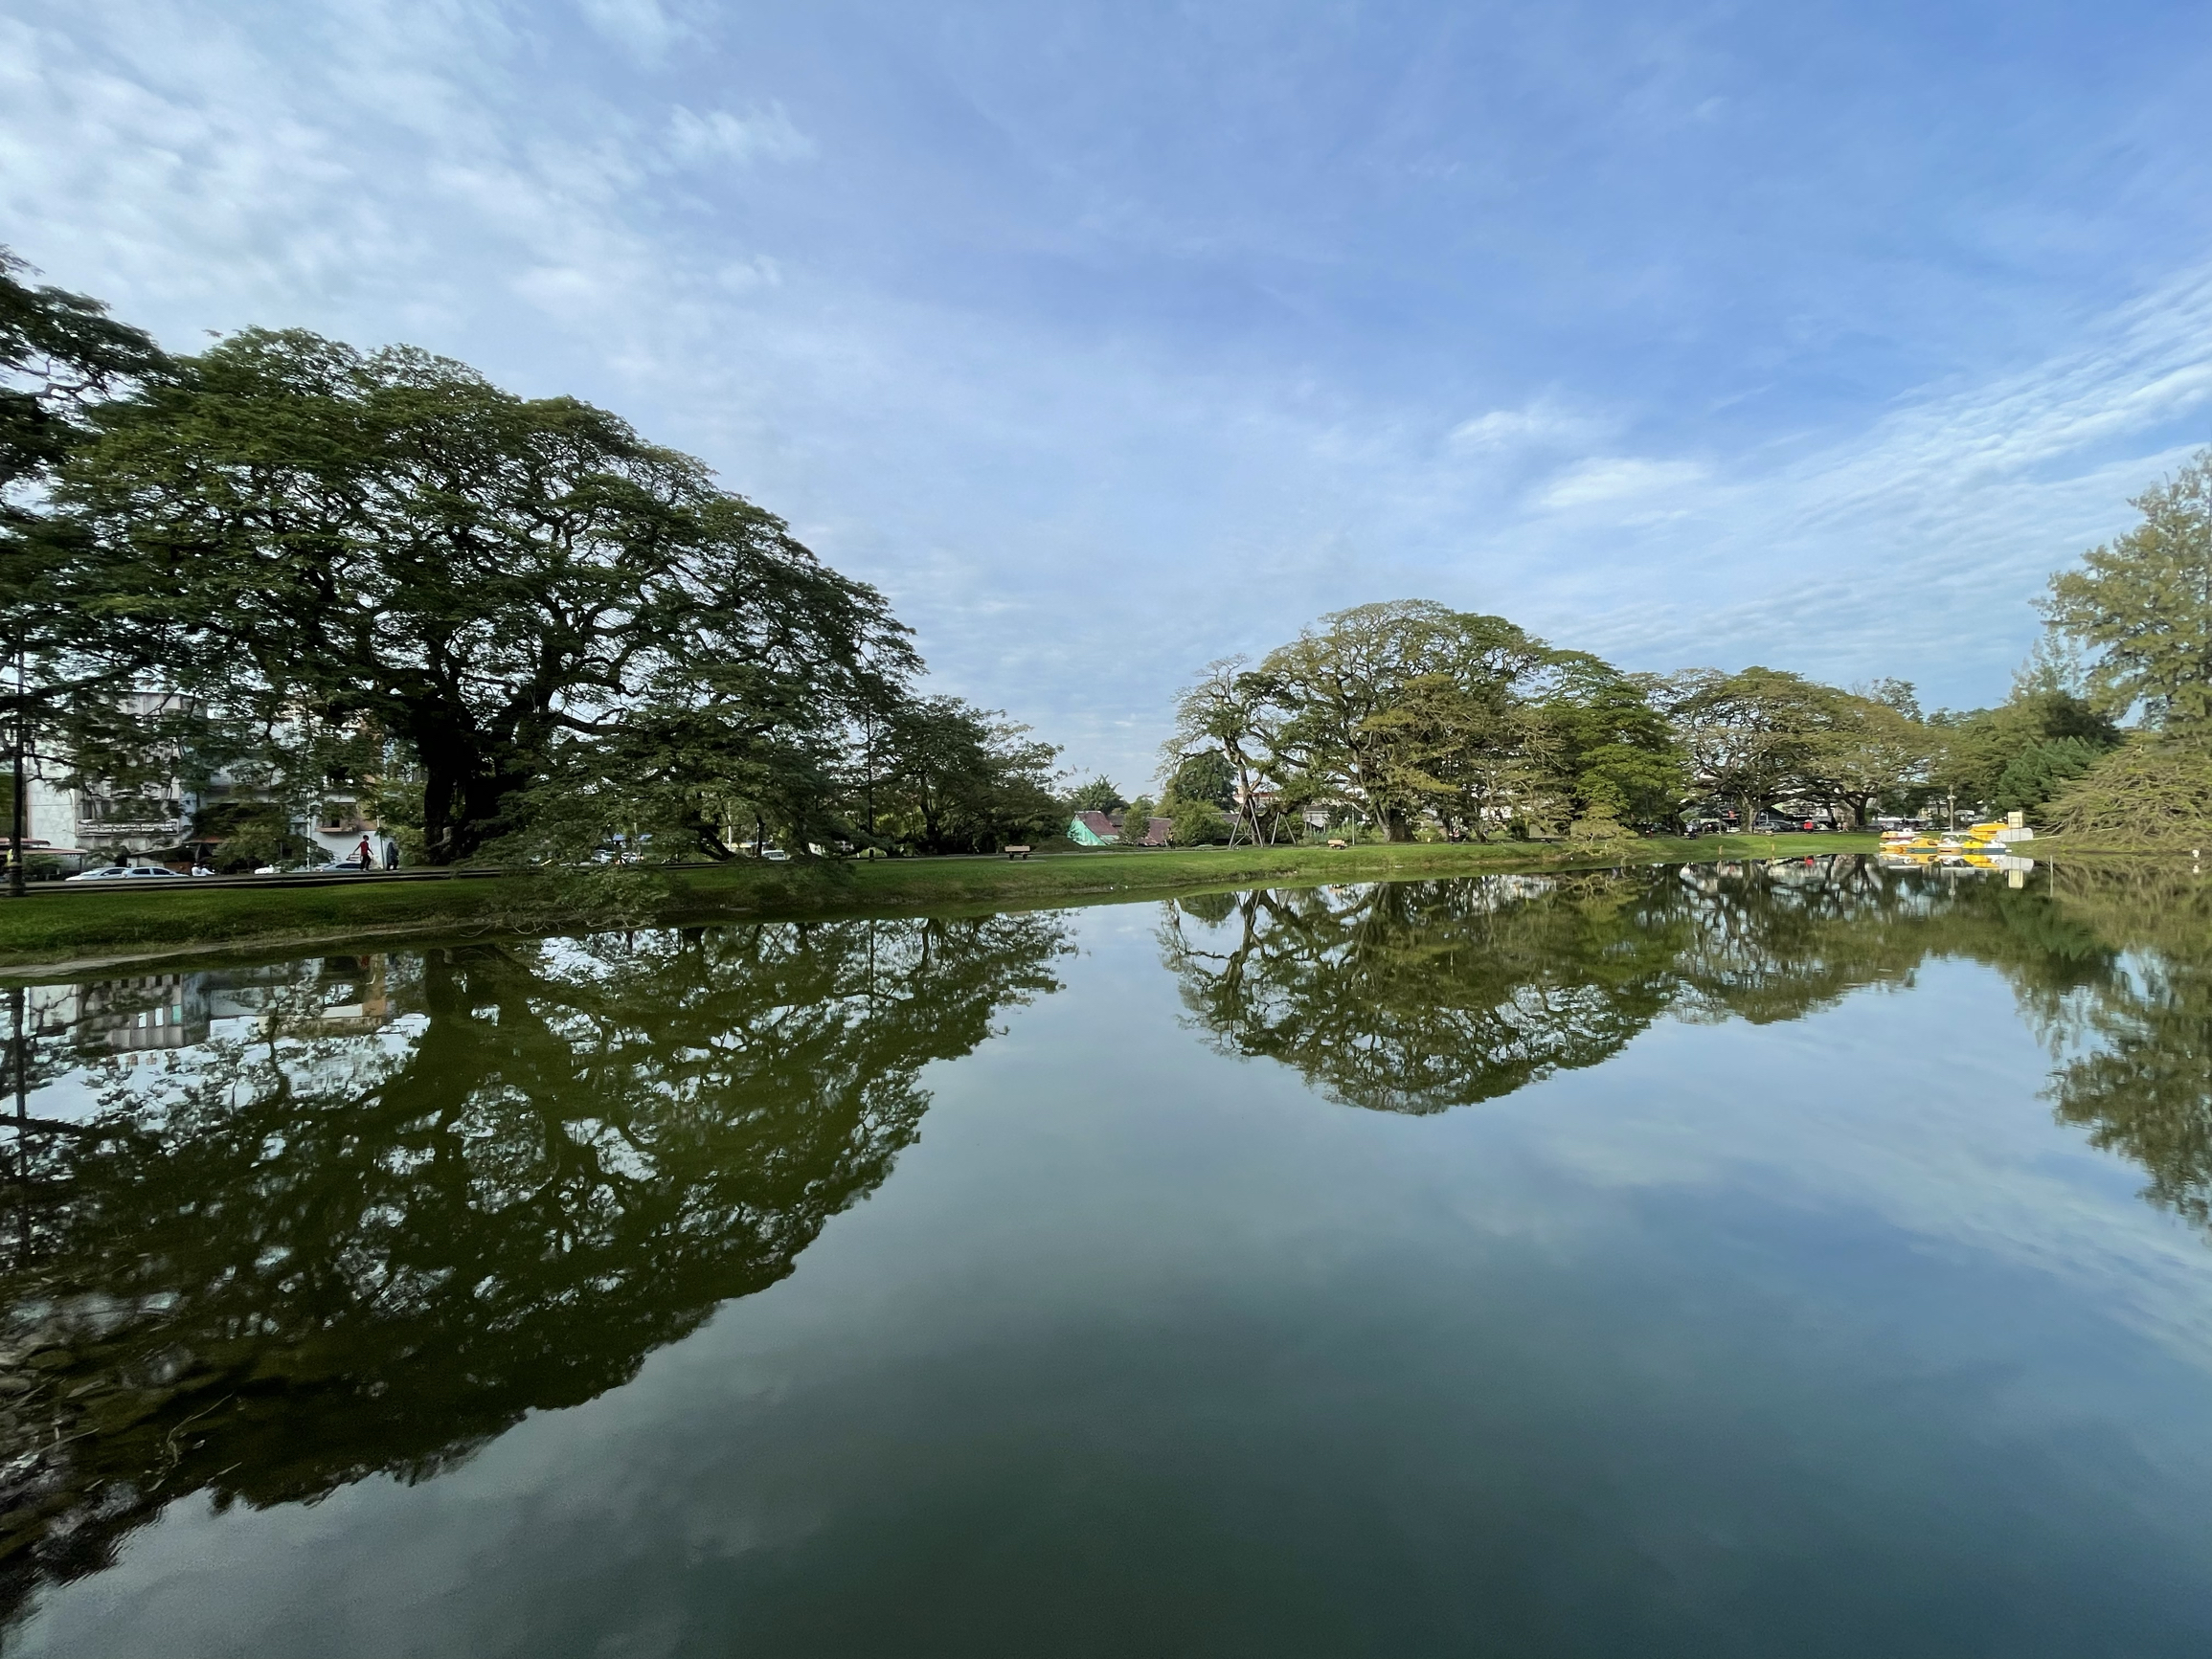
(124, 872)
(776, 855)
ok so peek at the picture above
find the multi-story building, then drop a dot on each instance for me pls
(106, 820)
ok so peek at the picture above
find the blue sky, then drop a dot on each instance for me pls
(1112, 338)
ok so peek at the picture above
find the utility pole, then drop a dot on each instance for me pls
(867, 722)
(18, 805)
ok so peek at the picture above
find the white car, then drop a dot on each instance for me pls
(124, 872)
(776, 855)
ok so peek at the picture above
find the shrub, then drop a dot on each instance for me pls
(2156, 794)
(1197, 823)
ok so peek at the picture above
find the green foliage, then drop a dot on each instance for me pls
(1867, 750)
(2143, 604)
(60, 356)
(1750, 736)
(2031, 777)
(1765, 735)
(1196, 823)
(1976, 750)
(251, 834)
(1404, 708)
(1596, 834)
(958, 779)
(1424, 721)
(1137, 821)
(1210, 775)
(1227, 711)
(1097, 795)
(1616, 750)
(2148, 794)
(514, 593)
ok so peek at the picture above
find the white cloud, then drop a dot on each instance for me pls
(1540, 425)
(1915, 544)
(1603, 479)
(765, 134)
(642, 28)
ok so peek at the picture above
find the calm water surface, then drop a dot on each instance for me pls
(1796, 1260)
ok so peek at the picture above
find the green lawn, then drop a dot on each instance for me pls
(52, 929)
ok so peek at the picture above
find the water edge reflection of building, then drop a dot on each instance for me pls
(148, 1015)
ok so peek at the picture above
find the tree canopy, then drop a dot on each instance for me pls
(2142, 605)
(346, 544)
(509, 627)
(964, 780)
(60, 356)
(1411, 713)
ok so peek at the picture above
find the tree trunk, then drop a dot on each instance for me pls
(483, 797)
(439, 788)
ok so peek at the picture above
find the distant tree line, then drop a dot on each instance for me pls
(1409, 720)
(514, 627)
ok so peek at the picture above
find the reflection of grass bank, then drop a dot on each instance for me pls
(54, 929)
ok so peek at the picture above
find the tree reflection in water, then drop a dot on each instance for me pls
(362, 1216)
(1419, 996)
(349, 1245)
(2135, 1067)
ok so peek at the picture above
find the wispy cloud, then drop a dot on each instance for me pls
(1602, 479)
(1915, 544)
(646, 28)
(1536, 426)
(761, 134)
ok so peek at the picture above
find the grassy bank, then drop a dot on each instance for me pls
(56, 932)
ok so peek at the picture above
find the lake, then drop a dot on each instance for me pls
(1797, 1259)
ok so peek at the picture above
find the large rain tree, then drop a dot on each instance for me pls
(1753, 737)
(1396, 708)
(501, 591)
(1868, 749)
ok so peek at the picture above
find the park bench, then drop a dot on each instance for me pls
(1017, 852)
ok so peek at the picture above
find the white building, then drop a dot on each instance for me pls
(106, 821)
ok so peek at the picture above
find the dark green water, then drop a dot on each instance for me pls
(1797, 1261)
